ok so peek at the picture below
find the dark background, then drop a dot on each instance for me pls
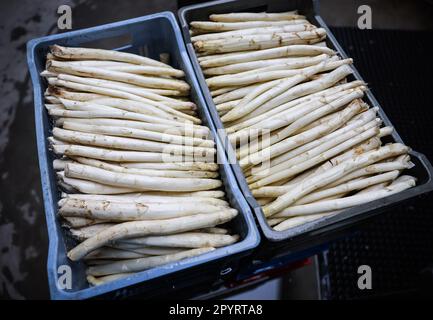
(23, 236)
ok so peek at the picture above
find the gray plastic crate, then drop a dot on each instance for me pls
(323, 229)
(148, 35)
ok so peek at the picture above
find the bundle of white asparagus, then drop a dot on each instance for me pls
(137, 169)
(308, 145)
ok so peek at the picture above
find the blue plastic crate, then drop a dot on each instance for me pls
(149, 35)
(323, 230)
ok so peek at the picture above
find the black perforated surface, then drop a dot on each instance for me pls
(398, 245)
(397, 67)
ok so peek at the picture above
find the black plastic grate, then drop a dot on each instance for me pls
(397, 245)
(397, 67)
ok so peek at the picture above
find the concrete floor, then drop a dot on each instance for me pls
(23, 237)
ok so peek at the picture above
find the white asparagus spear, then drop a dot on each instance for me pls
(274, 221)
(48, 74)
(321, 44)
(277, 98)
(127, 67)
(84, 233)
(97, 262)
(134, 210)
(188, 130)
(310, 162)
(286, 63)
(361, 148)
(376, 187)
(280, 52)
(137, 108)
(78, 222)
(71, 95)
(93, 187)
(227, 106)
(172, 166)
(255, 16)
(203, 57)
(119, 92)
(213, 193)
(201, 194)
(144, 228)
(349, 186)
(296, 221)
(299, 116)
(146, 93)
(119, 114)
(255, 92)
(322, 94)
(386, 131)
(86, 96)
(367, 116)
(300, 139)
(220, 91)
(289, 69)
(85, 106)
(303, 89)
(143, 250)
(267, 75)
(322, 179)
(113, 252)
(121, 156)
(52, 99)
(267, 133)
(377, 168)
(322, 120)
(54, 142)
(170, 93)
(251, 31)
(139, 134)
(109, 92)
(353, 184)
(147, 96)
(148, 197)
(185, 240)
(139, 182)
(50, 106)
(401, 163)
(121, 103)
(400, 184)
(278, 73)
(325, 111)
(234, 94)
(263, 201)
(101, 54)
(144, 81)
(100, 140)
(135, 265)
(228, 26)
(145, 172)
(317, 63)
(147, 70)
(341, 141)
(214, 230)
(371, 144)
(97, 63)
(284, 66)
(258, 42)
(97, 281)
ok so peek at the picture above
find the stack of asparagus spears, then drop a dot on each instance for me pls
(308, 145)
(137, 168)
